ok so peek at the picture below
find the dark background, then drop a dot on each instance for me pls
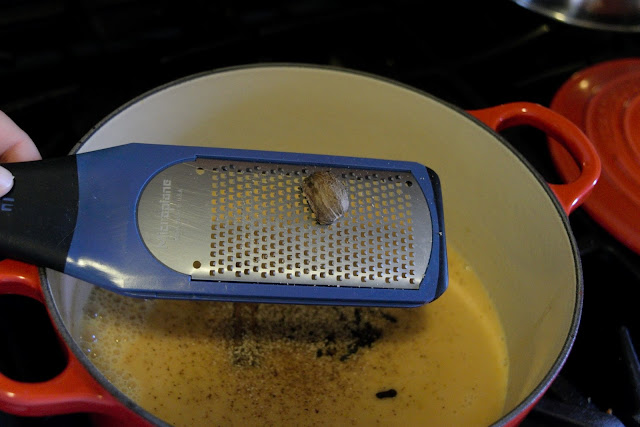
(65, 65)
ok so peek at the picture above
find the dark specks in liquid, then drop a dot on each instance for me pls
(387, 393)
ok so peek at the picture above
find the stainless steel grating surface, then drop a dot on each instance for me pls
(250, 222)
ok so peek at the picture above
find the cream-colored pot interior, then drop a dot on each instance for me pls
(498, 214)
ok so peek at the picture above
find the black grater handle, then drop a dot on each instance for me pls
(38, 215)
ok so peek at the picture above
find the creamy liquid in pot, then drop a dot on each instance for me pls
(206, 363)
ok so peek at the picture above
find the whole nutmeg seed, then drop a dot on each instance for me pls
(328, 197)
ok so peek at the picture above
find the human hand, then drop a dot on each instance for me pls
(15, 146)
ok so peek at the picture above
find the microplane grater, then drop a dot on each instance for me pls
(158, 221)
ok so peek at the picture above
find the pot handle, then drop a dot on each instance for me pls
(572, 194)
(73, 390)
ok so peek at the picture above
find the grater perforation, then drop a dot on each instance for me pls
(262, 229)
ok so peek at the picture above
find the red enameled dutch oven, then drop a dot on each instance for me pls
(500, 214)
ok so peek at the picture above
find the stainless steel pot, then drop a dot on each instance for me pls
(609, 15)
(500, 214)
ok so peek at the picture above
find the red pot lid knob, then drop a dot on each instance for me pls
(604, 101)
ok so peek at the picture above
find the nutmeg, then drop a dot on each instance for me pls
(328, 197)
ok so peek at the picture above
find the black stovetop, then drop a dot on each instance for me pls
(64, 65)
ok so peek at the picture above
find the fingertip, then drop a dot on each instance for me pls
(6, 181)
(15, 144)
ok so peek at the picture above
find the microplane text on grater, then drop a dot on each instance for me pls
(235, 225)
